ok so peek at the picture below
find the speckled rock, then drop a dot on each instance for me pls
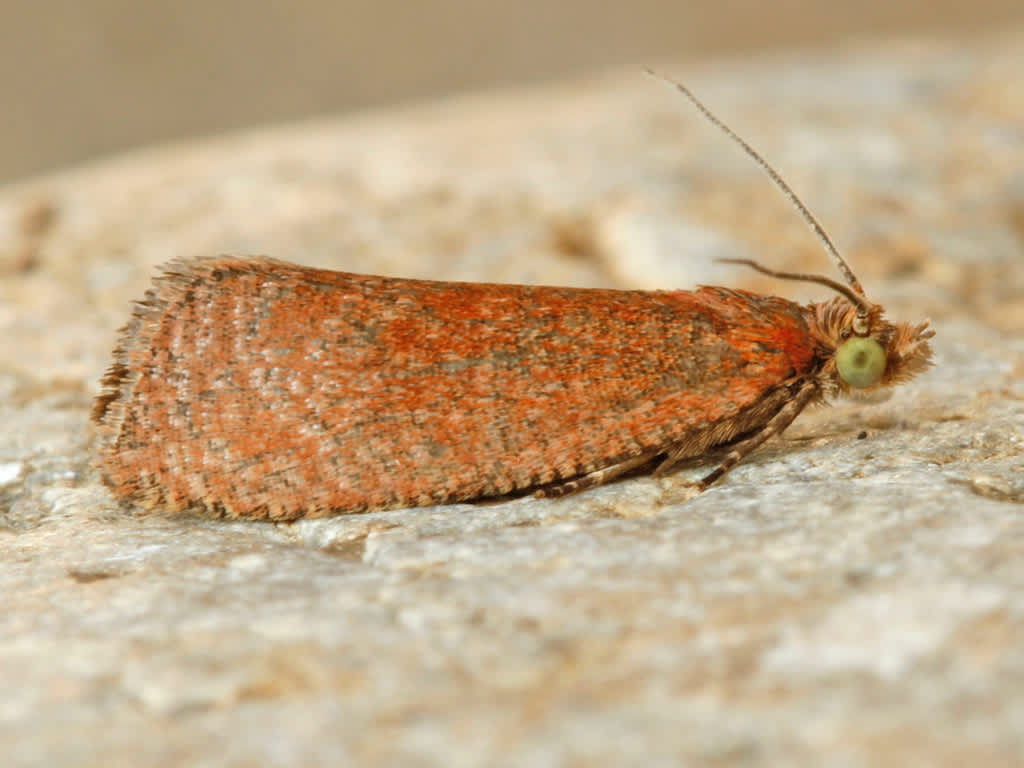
(841, 601)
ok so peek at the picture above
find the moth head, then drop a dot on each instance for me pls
(869, 352)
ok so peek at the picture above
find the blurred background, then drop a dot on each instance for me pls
(85, 78)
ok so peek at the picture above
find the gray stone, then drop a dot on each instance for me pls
(835, 600)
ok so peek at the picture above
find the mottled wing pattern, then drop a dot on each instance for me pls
(259, 388)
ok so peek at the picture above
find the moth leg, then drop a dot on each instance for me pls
(595, 478)
(776, 425)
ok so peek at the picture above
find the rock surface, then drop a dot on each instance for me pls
(835, 601)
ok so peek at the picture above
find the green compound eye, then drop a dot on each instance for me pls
(861, 362)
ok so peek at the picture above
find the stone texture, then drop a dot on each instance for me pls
(836, 600)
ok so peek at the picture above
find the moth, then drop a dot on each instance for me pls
(255, 388)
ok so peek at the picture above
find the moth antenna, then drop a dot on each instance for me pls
(863, 305)
(797, 203)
